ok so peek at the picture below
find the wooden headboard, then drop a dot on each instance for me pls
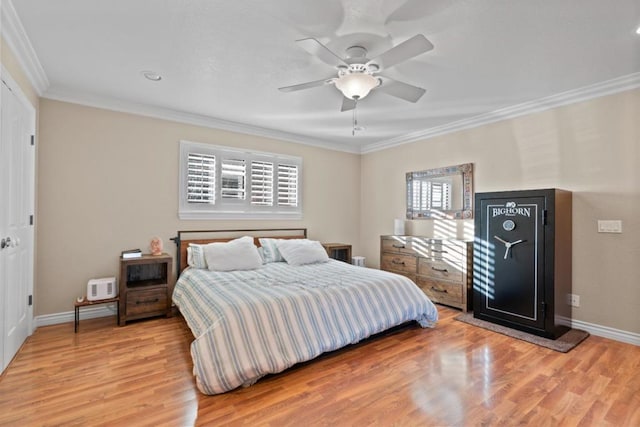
(182, 240)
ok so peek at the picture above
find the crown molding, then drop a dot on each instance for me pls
(190, 118)
(16, 37)
(607, 87)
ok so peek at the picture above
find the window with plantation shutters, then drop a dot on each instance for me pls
(262, 183)
(287, 185)
(201, 179)
(226, 183)
(233, 174)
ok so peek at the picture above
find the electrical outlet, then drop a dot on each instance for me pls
(609, 226)
(573, 300)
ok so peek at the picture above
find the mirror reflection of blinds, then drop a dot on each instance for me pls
(261, 183)
(441, 195)
(232, 175)
(431, 195)
(287, 185)
(201, 178)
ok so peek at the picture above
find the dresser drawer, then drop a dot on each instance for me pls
(397, 245)
(147, 301)
(405, 264)
(440, 269)
(439, 249)
(441, 292)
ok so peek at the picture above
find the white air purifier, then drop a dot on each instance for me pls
(104, 288)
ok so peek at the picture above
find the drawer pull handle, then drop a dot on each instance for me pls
(440, 251)
(397, 262)
(147, 301)
(444, 291)
(443, 270)
(399, 246)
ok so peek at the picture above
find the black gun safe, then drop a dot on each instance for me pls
(522, 260)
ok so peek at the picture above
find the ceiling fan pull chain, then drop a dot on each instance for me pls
(354, 120)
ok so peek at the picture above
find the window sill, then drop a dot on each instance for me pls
(191, 215)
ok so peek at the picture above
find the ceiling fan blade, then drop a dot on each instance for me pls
(315, 48)
(415, 46)
(400, 90)
(307, 85)
(347, 104)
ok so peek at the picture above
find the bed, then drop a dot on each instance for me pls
(248, 323)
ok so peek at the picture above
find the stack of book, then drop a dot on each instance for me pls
(131, 253)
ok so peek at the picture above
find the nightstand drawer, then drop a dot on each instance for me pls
(405, 264)
(147, 301)
(441, 292)
(440, 269)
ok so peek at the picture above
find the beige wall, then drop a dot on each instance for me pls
(108, 181)
(591, 148)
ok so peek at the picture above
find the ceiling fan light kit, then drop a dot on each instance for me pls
(356, 74)
(356, 85)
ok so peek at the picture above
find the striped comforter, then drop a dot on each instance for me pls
(248, 324)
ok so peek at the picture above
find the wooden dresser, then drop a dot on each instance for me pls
(442, 268)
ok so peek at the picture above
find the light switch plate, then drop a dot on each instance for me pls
(609, 226)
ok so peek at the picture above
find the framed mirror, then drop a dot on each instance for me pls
(444, 193)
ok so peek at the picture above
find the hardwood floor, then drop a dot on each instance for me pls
(453, 375)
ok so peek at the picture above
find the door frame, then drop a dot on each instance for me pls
(32, 119)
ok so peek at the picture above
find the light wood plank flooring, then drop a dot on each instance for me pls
(453, 375)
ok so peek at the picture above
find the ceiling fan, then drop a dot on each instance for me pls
(358, 75)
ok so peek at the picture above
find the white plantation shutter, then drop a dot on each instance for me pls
(436, 195)
(262, 183)
(201, 178)
(430, 195)
(227, 183)
(287, 185)
(233, 177)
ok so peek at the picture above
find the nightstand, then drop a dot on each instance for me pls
(146, 287)
(338, 251)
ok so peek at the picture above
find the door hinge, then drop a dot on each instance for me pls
(8, 87)
(544, 309)
(33, 140)
(30, 299)
(544, 217)
(30, 219)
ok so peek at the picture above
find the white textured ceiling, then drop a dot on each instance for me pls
(222, 61)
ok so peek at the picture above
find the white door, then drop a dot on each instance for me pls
(17, 162)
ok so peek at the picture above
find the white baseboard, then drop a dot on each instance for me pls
(607, 332)
(69, 316)
(109, 310)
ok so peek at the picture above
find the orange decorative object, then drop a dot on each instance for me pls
(156, 246)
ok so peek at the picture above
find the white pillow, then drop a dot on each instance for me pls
(270, 249)
(195, 256)
(302, 251)
(238, 254)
